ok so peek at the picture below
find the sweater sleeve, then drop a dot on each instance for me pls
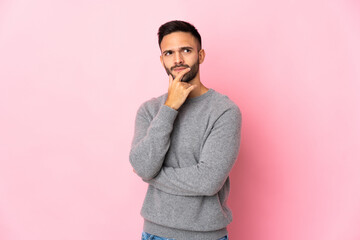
(217, 158)
(151, 140)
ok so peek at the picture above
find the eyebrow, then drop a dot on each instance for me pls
(180, 48)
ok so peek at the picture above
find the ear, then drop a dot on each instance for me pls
(201, 56)
(161, 60)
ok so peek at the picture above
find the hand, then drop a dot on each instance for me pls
(178, 91)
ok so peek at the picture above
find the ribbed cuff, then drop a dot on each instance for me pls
(167, 114)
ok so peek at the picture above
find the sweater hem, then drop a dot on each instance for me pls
(180, 234)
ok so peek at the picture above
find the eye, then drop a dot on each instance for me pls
(187, 50)
(168, 53)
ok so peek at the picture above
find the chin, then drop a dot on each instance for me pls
(186, 80)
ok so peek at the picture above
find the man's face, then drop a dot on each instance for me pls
(180, 50)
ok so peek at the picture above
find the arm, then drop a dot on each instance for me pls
(217, 157)
(151, 141)
(152, 137)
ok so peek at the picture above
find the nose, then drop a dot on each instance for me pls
(178, 58)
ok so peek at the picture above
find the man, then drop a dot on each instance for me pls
(186, 142)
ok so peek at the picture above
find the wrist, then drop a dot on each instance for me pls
(171, 106)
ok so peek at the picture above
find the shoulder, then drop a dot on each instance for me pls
(221, 103)
(151, 106)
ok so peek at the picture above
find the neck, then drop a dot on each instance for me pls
(199, 90)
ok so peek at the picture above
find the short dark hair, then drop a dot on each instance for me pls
(177, 26)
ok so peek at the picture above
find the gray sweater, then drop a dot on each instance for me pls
(186, 157)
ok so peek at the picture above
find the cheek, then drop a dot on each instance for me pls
(167, 63)
(194, 59)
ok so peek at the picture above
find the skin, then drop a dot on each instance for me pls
(181, 49)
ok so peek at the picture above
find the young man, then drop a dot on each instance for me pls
(186, 141)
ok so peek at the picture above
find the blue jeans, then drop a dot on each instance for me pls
(147, 236)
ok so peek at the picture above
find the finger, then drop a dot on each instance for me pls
(181, 74)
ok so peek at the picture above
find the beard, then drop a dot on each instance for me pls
(187, 76)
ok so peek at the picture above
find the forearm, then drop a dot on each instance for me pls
(185, 182)
(151, 142)
(203, 179)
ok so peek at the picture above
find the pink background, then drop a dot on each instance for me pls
(73, 74)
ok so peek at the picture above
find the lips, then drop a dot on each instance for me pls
(179, 69)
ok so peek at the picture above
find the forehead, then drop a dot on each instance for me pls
(178, 39)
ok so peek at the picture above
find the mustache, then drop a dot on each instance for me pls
(185, 66)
